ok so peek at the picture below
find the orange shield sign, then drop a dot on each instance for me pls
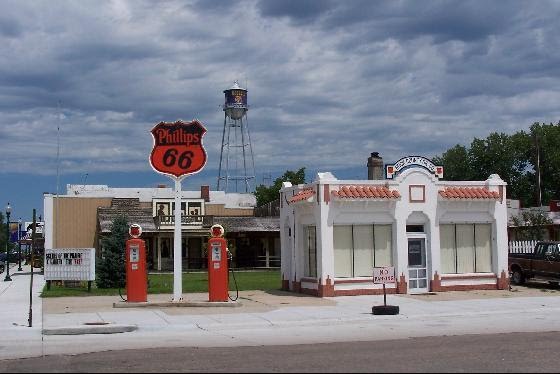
(178, 149)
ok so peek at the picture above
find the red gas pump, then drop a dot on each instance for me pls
(136, 274)
(217, 265)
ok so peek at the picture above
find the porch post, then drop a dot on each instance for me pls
(267, 253)
(159, 253)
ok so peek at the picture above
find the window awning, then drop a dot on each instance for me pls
(366, 192)
(476, 193)
(303, 195)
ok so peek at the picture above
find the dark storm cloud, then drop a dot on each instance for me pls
(299, 11)
(51, 80)
(398, 77)
(442, 20)
(216, 6)
(93, 53)
(10, 27)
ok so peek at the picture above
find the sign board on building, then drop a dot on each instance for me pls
(384, 275)
(178, 149)
(413, 161)
(73, 264)
(28, 227)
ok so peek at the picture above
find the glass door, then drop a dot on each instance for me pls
(417, 268)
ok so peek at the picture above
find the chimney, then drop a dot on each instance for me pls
(205, 193)
(375, 167)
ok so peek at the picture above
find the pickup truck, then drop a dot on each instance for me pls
(542, 264)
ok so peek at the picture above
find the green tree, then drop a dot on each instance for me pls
(522, 160)
(456, 164)
(531, 224)
(546, 141)
(265, 194)
(505, 155)
(509, 156)
(110, 272)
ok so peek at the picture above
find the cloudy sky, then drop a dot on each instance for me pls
(329, 82)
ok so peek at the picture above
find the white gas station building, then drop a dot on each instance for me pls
(438, 235)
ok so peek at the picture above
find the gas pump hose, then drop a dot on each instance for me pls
(235, 281)
(120, 294)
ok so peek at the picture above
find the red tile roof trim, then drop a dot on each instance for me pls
(469, 193)
(302, 195)
(365, 192)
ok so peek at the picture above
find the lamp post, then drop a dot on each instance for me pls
(8, 211)
(19, 244)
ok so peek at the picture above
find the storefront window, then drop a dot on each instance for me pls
(466, 248)
(383, 251)
(310, 246)
(363, 250)
(360, 248)
(342, 251)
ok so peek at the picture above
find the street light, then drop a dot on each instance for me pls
(8, 211)
(19, 244)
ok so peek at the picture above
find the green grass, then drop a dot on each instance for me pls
(192, 282)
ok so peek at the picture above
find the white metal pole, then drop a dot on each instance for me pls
(177, 260)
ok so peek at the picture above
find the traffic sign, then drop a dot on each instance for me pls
(178, 149)
(384, 275)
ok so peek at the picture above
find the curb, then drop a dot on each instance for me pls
(90, 329)
(180, 304)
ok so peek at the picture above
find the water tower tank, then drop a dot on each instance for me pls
(235, 104)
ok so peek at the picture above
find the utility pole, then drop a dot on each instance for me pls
(33, 244)
(539, 193)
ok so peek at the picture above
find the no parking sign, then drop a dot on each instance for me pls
(384, 275)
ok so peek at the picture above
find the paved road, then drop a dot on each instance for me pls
(278, 321)
(517, 352)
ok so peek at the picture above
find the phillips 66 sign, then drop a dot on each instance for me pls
(178, 149)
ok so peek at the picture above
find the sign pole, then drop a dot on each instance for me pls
(177, 260)
(33, 230)
(178, 152)
(383, 275)
(384, 295)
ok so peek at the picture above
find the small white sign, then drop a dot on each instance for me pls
(216, 252)
(28, 227)
(384, 275)
(74, 264)
(134, 253)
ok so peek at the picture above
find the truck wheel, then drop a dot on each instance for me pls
(517, 277)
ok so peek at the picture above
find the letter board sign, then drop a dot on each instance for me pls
(72, 264)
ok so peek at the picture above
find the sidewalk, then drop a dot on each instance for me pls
(16, 338)
(267, 318)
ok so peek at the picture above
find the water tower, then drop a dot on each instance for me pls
(237, 164)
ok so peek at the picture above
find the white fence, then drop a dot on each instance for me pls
(525, 246)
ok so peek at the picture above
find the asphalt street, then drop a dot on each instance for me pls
(287, 328)
(491, 353)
